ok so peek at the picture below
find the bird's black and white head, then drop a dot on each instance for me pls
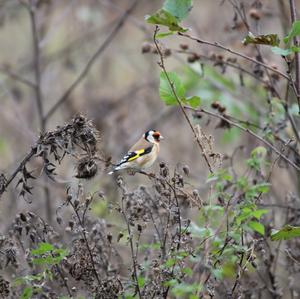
(153, 136)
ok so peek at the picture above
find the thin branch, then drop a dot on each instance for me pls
(92, 60)
(162, 65)
(267, 143)
(6, 71)
(37, 68)
(297, 55)
(20, 167)
(218, 45)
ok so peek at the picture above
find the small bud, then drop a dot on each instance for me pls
(109, 237)
(162, 164)
(59, 220)
(184, 46)
(193, 57)
(167, 52)
(215, 105)
(23, 217)
(255, 14)
(186, 170)
(146, 47)
(120, 236)
(221, 109)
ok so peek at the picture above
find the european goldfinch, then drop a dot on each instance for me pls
(141, 155)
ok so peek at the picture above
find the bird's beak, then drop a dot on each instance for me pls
(161, 137)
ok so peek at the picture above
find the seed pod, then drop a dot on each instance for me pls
(184, 46)
(167, 52)
(215, 105)
(255, 14)
(86, 168)
(146, 47)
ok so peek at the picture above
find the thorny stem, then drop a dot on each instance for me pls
(162, 65)
(133, 256)
(267, 143)
(83, 232)
(297, 54)
(20, 167)
(92, 60)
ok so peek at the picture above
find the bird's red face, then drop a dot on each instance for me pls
(157, 136)
(153, 136)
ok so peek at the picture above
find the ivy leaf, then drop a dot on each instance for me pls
(178, 8)
(27, 293)
(258, 227)
(286, 233)
(295, 30)
(165, 91)
(266, 39)
(163, 17)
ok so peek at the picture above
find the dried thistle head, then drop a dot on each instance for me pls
(87, 168)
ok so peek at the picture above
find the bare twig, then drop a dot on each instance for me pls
(267, 143)
(91, 61)
(17, 77)
(162, 65)
(297, 55)
(220, 46)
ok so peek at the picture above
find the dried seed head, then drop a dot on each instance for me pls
(59, 220)
(193, 57)
(23, 217)
(120, 236)
(86, 168)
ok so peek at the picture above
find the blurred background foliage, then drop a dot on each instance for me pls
(120, 93)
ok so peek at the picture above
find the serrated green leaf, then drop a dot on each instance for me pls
(286, 233)
(163, 17)
(266, 39)
(178, 8)
(165, 90)
(295, 31)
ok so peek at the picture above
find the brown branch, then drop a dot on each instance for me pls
(218, 45)
(267, 143)
(297, 55)
(19, 168)
(162, 65)
(17, 77)
(91, 61)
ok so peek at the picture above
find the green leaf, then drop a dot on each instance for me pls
(258, 213)
(280, 51)
(27, 293)
(286, 233)
(259, 151)
(162, 17)
(258, 227)
(42, 248)
(266, 39)
(295, 31)
(194, 101)
(141, 281)
(165, 90)
(164, 34)
(188, 271)
(178, 8)
(170, 262)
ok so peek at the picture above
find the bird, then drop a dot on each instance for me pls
(142, 154)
